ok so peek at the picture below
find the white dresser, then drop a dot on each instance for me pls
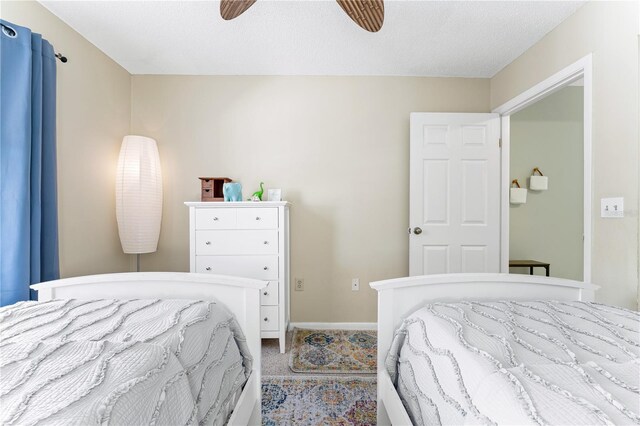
(246, 239)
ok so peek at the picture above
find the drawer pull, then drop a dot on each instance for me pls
(257, 217)
(266, 319)
(266, 242)
(266, 293)
(265, 268)
(208, 268)
(215, 218)
(208, 243)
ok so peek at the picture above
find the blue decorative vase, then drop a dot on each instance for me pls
(232, 191)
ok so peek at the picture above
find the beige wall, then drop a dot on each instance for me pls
(337, 146)
(608, 30)
(93, 114)
(549, 227)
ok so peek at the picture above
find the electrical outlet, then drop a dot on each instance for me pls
(612, 207)
(355, 284)
(299, 284)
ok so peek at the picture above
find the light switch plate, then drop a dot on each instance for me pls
(612, 207)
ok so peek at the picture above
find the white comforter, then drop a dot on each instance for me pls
(120, 362)
(519, 363)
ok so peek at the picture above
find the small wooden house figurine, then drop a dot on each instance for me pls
(212, 188)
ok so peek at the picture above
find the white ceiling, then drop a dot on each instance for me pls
(305, 37)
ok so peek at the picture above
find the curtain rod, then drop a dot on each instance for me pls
(10, 32)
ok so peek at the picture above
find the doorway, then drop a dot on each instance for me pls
(549, 128)
(548, 136)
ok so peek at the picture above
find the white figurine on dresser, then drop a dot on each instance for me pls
(246, 239)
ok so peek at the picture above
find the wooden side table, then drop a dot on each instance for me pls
(529, 264)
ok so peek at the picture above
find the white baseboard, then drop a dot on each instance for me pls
(335, 325)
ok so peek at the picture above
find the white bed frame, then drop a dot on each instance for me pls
(240, 295)
(398, 298)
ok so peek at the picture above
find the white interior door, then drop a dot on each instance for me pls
(454, 210)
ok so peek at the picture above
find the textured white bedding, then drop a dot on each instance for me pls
(518, 363)
(120, 362)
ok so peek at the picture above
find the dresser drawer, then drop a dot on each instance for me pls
(269, 318)
(236, 242)
(269, 294)
(216, 218)
(257, 218)
(258, 267)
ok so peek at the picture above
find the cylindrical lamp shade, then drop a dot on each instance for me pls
(139, 195)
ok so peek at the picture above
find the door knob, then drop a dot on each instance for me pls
(417, 230)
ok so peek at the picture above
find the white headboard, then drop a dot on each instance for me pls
(398, 298)
(240, 295)
(232, 291)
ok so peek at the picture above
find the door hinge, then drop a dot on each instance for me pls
(499, 142)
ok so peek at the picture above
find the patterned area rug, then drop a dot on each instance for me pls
(318, 401)
(333, 351)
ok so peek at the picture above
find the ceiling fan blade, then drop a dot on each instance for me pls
(368, 14)
(230, 9)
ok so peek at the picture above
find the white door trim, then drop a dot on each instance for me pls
(579, 69)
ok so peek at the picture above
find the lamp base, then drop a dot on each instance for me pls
(134, 262)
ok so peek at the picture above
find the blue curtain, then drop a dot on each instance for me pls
(28, 214)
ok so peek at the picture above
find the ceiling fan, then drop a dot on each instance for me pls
(368, 14)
